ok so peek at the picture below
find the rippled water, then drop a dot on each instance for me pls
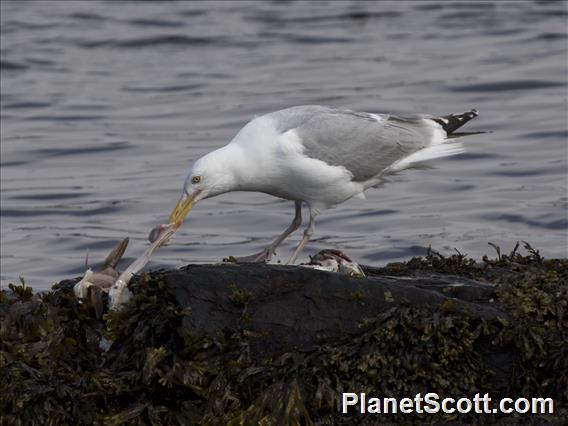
(104, 106)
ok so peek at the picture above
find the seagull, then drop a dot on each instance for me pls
(316, 156)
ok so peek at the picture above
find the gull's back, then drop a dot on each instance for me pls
(365, 144)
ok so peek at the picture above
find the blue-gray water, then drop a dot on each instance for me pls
(104, 106)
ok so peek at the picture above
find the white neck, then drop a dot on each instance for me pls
(226, 165)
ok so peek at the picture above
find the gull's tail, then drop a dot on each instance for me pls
(450, 123)
(440, 146)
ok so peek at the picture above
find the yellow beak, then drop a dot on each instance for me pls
(182, 209)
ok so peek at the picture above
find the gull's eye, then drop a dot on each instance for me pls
(196, 179)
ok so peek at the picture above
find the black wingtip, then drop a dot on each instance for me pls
(452, 122)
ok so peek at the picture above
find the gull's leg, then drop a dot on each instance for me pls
(307, 235)
(266, 254)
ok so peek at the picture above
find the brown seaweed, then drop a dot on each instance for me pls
(159, 371)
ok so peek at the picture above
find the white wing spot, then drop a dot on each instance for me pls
(376, 117)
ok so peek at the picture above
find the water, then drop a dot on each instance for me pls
(104, 106)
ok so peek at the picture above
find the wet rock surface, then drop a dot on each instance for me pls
(297, 308)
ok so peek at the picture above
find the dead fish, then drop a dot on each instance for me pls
(332, 260)
(156, 232)
(105, 277)
(108, 279)
(119, 293)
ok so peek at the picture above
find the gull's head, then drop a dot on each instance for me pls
(209, 176)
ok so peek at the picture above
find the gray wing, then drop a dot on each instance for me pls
(365, 144)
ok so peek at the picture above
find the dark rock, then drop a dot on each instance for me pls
(296, 308)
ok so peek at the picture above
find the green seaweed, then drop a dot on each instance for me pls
(240, 296)
(158, 371)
